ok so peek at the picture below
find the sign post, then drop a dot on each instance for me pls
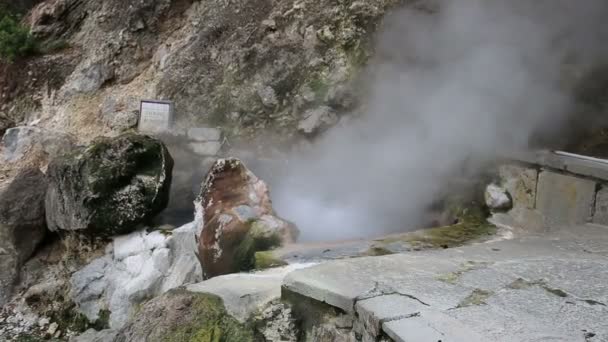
(155, 116)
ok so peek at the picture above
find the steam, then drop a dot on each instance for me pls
(448, 90)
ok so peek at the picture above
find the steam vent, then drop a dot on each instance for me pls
(303, 171)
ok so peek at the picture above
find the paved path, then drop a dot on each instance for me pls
(552, 287)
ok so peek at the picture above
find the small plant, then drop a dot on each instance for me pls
(15, 39)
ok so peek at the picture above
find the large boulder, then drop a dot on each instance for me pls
(22, 224)
(109, 187)
(235, 212)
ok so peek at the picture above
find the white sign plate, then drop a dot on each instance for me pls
(155, 116)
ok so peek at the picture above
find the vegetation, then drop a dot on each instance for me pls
(15, 39)
(471, 226)
(267, 259)
(211, 323)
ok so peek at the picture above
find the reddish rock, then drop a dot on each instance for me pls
(236, 212)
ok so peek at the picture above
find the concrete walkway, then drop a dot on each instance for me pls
(551, 287)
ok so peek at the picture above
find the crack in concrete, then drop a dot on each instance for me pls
(399, 317)
(380, 290)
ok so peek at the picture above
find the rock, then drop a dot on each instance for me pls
(317, 120)
(204, 134)
(120, 114)
(17, 142)
(497, 198)
(268, 96)
(137, 267)
(5, 124)
(520, 183)
(52, 329)
(277, 323)
(91, 335)
(22, 224)
(244, 294)
(238, 219)
(89, 77)
(110, 187)
(180, 315)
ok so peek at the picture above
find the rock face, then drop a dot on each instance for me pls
(136, 267)
(237, 219)
(109, 187)
(17, 142)
(22, 224)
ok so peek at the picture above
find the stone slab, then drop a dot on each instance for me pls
(375, 311)
(565, 200)
(600, 215)
(431, 326)
(244, 293)
(550, 286)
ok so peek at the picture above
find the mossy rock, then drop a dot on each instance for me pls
(109, 187)
(265, 260)
(183, 316)
(259, 238)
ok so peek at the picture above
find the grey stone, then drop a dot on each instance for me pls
(121, 121)
(17, 142)
(22, 224)
(600, 215)
(243, 294)
(204, 134)
(316, 120)
(430, 326)
(209, 148)
(520, 183)
(89, 77)
(138, 267)
(497, 198)
(565, 200)
(375, 311)
(268, 96)
(92, 335)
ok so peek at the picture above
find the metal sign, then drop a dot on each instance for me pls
(155, 116)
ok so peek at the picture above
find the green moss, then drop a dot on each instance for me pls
(454, 277)
(520, 284)
(265, 260)
(211, 323)
(34, 338)
(471, 226)
(258, 239)
(68, 318)
(319, 86)
(476, 298)
(378, 251)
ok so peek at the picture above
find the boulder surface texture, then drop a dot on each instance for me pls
(236, 213)
(109, 187)
(22, 225)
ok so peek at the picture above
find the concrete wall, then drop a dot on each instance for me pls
(553, 190)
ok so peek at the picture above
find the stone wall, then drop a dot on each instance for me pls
(548, 190)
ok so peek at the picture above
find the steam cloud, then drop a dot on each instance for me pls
(448, 89)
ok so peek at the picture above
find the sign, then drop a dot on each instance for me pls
(155, 116)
